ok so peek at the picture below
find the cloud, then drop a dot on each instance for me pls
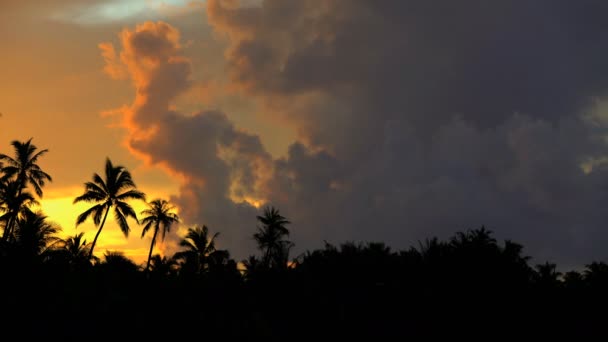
(414, 119)
(422, 118)
(223, 169)
(100, 12)
(113, 67)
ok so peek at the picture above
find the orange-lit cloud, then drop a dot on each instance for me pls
(224, 170)
(113, 67)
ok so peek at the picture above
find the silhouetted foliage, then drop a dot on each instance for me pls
(467, 286)
(270, 238)
(159, 216)
(13, 203)
(108, 193)
(200, 256)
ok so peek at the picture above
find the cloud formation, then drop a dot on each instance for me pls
(432, 117)
(414, 119)
(223, 169)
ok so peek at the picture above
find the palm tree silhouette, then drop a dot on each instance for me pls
(163, 266)
(596, 275)
(117, 187)
(35, 236)
(23, 167)
(117, 263)
(158, 215)
(76, 249)
(271, 238)
(20, 172)
(199, 249)
(13, 201)
(547, 275)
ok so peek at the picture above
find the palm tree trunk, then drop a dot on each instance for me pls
(8, 228)
(267, 258)
(152, 246)
(11, 223)
(98, 231)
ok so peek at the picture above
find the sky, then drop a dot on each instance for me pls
(386, 120)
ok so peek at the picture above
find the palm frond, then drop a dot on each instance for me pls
(122, 221)
(148, 224)
(95, 210)
(131, 194)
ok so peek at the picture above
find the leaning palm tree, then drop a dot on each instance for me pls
(271, 238)
(24, 168)
(160, 216)
(113, 191)
(200, 246)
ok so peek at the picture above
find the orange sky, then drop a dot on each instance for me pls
(54, 89)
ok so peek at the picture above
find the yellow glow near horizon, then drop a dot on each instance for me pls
(58, 207)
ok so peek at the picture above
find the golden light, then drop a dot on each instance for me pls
(58, 207)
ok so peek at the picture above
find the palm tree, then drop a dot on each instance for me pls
(76, 249)
(117, 187)
(23, 167)
(118, 264)
(35, 236)
(596, 275)
(20, 171)
(13, 202)
(547, 275)
(158, 215)
(251, 266)
(162, 266)
(271, 238)
(77, 246)
(199, 248)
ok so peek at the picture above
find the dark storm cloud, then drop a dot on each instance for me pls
(414, 119)
(427, 117)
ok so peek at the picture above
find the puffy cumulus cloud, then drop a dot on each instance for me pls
(223, 169)
(419, 118)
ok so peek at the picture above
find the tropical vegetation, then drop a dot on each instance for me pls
(468, 286)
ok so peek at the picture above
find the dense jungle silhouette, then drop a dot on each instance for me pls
(470, 285)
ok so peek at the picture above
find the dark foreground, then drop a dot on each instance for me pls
(467, 287)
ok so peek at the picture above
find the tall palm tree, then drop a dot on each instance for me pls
(199, 246)
(13, 202)
(24, 167)
(114, 191)
(158, 215)
(21, 171)
(271, 238)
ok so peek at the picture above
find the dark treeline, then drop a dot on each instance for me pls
(467, 286)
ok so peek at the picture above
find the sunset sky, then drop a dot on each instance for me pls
(360, 120)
